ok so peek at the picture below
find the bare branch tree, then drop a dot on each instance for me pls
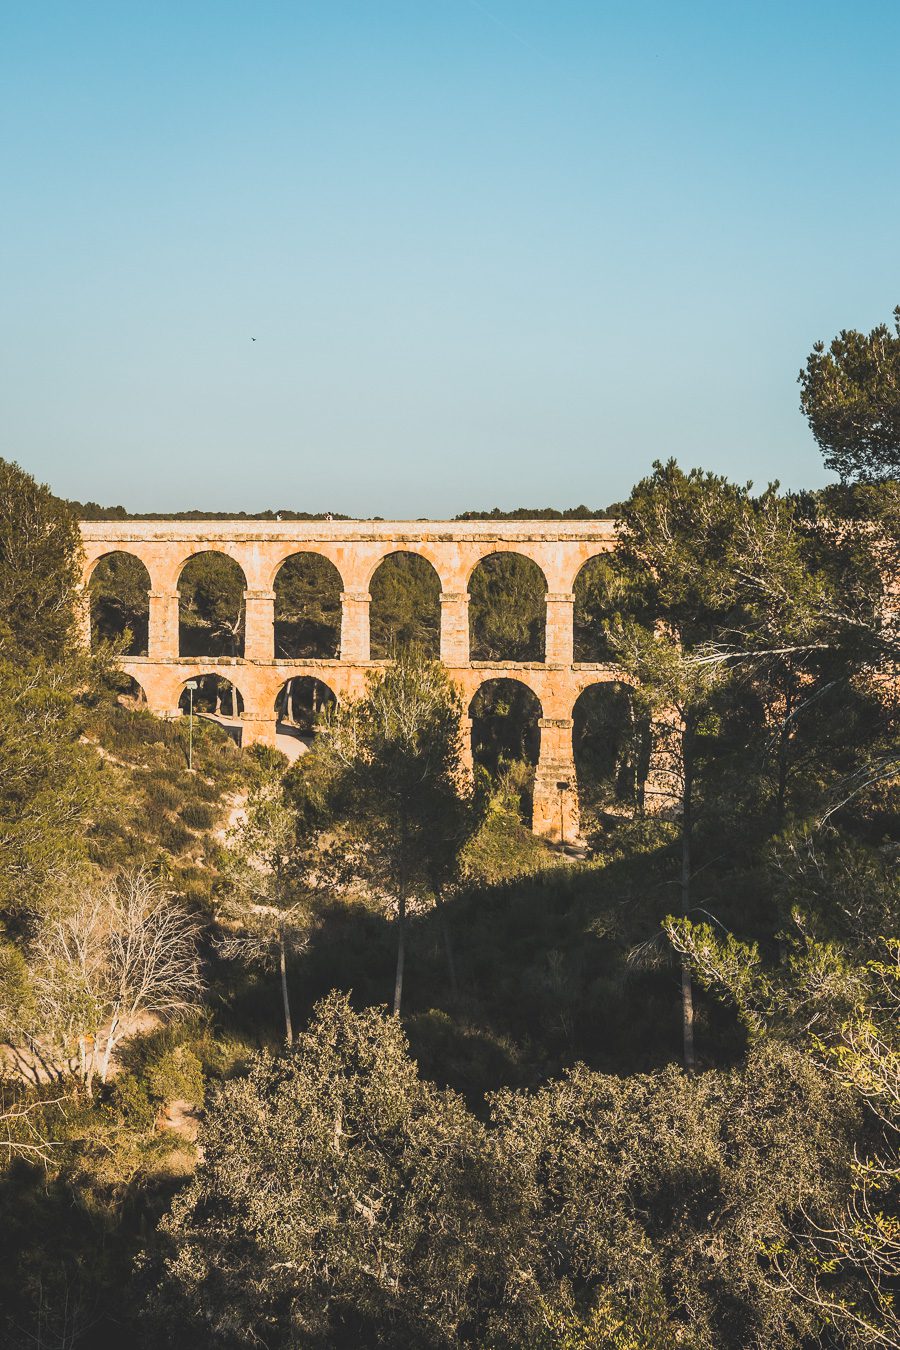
(125, 948)
(22, 1128)
(153, 964)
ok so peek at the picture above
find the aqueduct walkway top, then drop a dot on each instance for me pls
(356, 548)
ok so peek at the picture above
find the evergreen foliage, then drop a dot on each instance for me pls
(516, 1158)
(850, 394)
(40, 550)
(120, 602)
(307, 607)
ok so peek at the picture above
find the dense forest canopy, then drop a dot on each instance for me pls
(335, 1053)
(93, 511)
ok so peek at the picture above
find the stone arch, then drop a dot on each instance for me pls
(130, 693)
(308, 590)
(373, 561)
(507, 608)
(214, 696)
(300, 702)
(506, 735)
(611, 747)
(118, 591)
(211, 587)
(92, 562)
(594, 601)
(406, 605)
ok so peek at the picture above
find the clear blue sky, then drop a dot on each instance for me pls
(492, 253)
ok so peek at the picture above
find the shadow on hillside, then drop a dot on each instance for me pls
(546, 978)
(67, 1256)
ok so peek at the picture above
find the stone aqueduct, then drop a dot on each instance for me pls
(356, 548)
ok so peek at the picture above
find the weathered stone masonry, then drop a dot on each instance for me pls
(560, 549)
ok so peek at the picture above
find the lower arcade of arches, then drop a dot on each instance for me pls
(260, 700)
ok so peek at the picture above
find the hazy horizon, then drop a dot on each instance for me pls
(408, 260)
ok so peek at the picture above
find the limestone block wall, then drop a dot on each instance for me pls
(356, 548)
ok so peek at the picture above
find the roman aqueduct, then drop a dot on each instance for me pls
(356, 549)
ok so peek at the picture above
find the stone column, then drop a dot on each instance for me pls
(560, 643)
(555, 810)
(355, 625)
(259, 625)
(257, 730)
(162, 638)
(455, 628)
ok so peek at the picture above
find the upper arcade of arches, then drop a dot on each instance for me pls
(454, 548)
(595, 603)
(200, 557)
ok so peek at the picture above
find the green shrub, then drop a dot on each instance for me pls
(161, 793)
(504, 848)
(198, 815)
(173, 836)
(514, 786)
(266, 758)
(131, 1102)
(176, 1075)
(614, 839)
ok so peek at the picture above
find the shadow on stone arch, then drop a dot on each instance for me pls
(215, 696)
(119, 589)
(506, 739)
(507, 609)
(307, 608)
(611, 743)
(595, 590)
(128, 692)
(211, 606)
(301, 703)
(406, 606)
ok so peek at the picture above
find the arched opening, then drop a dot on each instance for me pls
(307, 608)
(119, 590)
(506, 737)
(214, 696)
(611, 743)
(300, 704)
(406, 606)
(596, 590)
(507, 609)
(128, 693)
(211, 606)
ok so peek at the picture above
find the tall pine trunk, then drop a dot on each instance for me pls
(687, 825)
(784, 749)
(282, 970)
(401, 951)
(448, 946)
